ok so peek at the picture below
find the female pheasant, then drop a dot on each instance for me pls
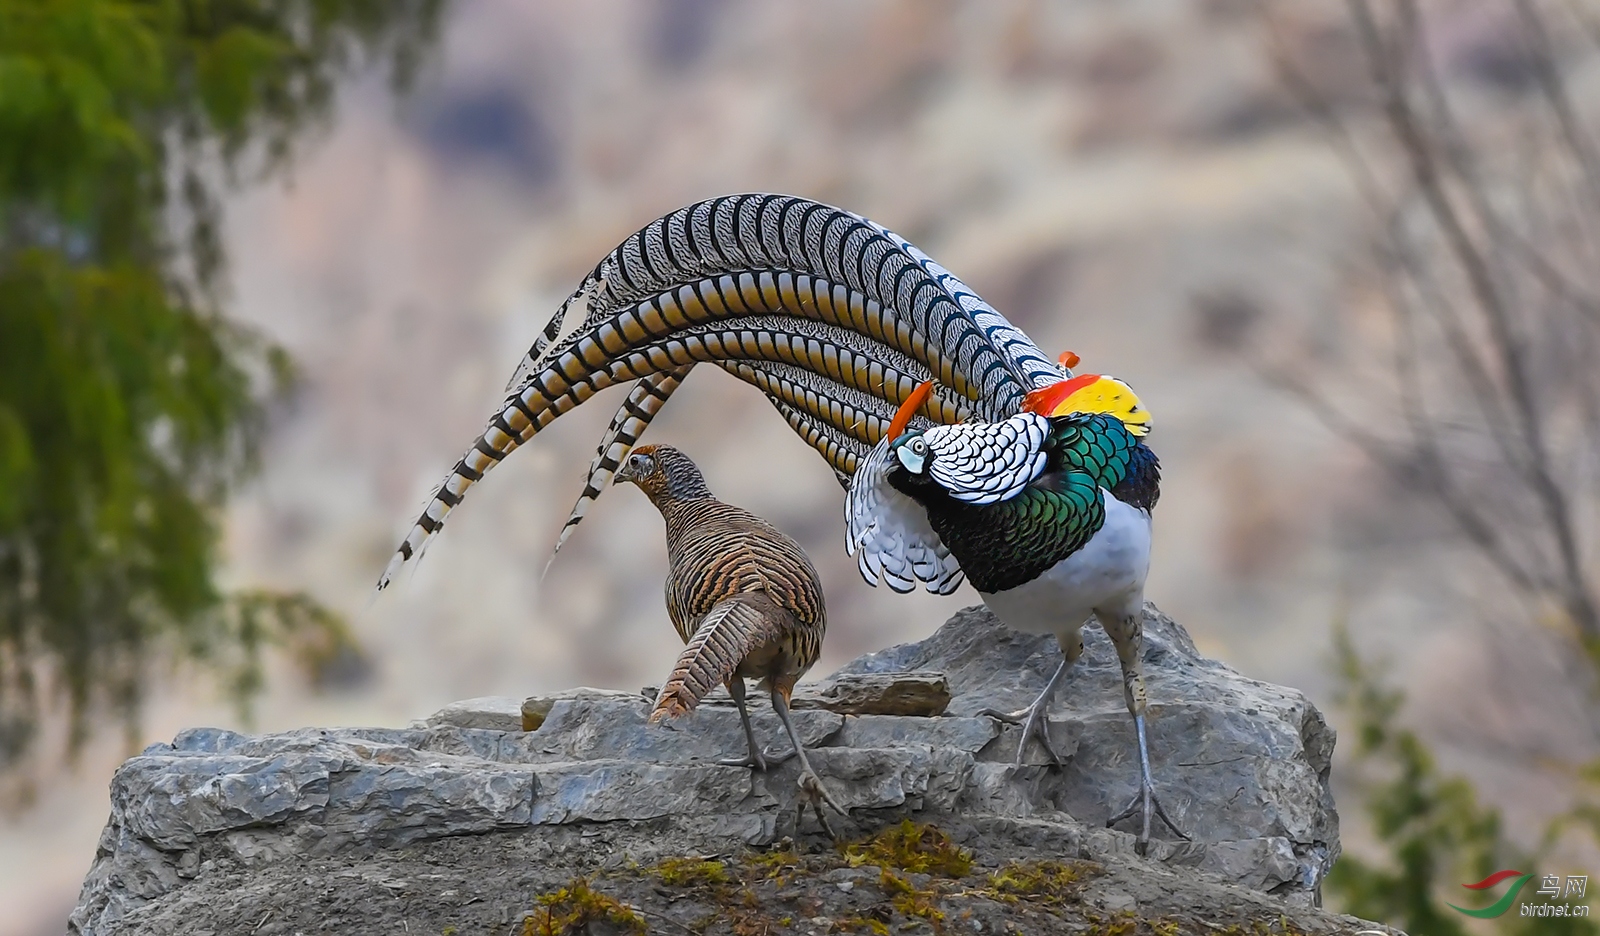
(1048, 516)
(744, 597)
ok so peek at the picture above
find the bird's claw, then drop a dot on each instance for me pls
(759, 761)
(816, 794)
(1145, 804)
(1035, 724)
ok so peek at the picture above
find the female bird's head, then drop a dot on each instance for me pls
(663, 473)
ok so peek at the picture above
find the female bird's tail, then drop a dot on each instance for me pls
(728, 634)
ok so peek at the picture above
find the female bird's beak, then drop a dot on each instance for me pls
(623, 475)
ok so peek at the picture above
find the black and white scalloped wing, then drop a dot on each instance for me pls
(985, 463)
(889, 535)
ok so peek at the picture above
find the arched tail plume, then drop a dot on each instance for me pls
(804, 300)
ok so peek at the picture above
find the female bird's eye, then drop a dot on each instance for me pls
(641, 464)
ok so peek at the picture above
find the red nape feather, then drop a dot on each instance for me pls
(1045, 399)
(908, 409)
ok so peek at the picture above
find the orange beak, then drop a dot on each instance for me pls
(908, 409)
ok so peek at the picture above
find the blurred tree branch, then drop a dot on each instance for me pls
(130, 406)
(1488, 273)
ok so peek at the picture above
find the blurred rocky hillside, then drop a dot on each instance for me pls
(1129, 180)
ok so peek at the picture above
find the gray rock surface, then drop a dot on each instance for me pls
(877, 693)
(1242, 766)
(498, 713)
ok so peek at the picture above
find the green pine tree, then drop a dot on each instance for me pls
(1435, 833)
(129, 405)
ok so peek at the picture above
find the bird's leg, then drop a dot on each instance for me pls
(1035, 718)
(810, 783)
(758, 760)
(1127, 633)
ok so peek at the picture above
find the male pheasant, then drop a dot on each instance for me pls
(1048, 517)
(834, 318)
(744, 597)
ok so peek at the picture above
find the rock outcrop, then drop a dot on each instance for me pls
(215, 816)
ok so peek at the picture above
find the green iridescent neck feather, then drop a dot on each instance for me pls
(1003, 545)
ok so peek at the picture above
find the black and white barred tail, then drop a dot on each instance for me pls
(835, 318)
(840, 422)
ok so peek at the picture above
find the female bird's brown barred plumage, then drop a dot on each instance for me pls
(744, 597)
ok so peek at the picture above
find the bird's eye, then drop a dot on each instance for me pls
(641, 464)
(919, 446)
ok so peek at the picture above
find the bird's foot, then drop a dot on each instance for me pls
(816, 794)
(759, 761)
(1145, 804)
(1034, 724)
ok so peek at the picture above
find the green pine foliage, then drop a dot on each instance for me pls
(1435, 833)
(129, 406)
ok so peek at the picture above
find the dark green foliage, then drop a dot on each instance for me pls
(128, 405)
(1435, 832)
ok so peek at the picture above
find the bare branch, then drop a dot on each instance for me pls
(1417, 147)
(1489, 265)
(1554, 90)
(1478, 528)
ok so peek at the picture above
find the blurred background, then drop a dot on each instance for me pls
(1346, 254)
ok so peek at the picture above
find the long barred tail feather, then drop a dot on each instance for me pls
(841, 452)
(632, 418)
(833, 413)
(763, 280)
(724, 637)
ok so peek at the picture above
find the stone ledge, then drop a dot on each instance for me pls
(1242, 766)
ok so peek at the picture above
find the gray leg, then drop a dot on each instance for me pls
(810, 783)
(1127, 633)
(1034, 719)
(757, 760)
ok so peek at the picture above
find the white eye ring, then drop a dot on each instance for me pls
(919, 446)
